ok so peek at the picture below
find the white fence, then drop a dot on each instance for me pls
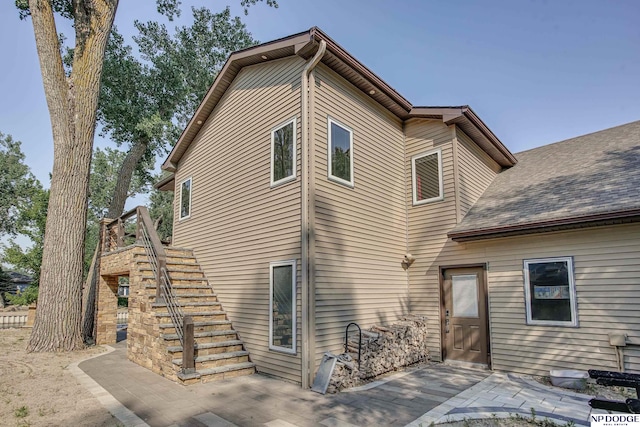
(123, 317)
(12, 320)
(18, 320)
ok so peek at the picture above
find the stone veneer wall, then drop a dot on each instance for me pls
(145, 345)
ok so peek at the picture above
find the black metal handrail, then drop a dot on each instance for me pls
(346, 341)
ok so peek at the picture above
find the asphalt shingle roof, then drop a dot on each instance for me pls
(598, 173)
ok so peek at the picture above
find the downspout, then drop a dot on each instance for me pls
(304, 177)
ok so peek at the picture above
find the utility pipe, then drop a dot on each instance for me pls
(304, 178)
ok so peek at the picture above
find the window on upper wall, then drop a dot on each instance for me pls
(426, 172)
(340, 152)
(282, 306)
(550, 292)
(283, 153)
(185, 199)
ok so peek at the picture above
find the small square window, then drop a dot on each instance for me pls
(282, 306)
(550, 292)
(185, 199)
(426, 170)
(283, 153)
(340, 153)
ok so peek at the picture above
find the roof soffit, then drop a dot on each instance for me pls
(340, 61)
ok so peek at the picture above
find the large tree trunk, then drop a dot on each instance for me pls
(72, 107)
(125, 174)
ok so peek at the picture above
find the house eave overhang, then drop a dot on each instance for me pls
(569, 223)
(166, 184)
(467, 120)
(303, 45)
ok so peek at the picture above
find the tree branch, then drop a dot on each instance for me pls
(53, 77)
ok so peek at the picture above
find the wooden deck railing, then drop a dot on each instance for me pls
(120, 233)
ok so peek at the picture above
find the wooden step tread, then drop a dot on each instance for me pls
(218, 370)
(177, 348)
(218, 356)
(198, 324)
(201, 334)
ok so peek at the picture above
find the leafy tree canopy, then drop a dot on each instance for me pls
(17, 184)
(30, 222)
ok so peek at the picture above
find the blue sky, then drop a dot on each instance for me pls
(535, 71)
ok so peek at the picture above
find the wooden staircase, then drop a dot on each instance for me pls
(219, 352)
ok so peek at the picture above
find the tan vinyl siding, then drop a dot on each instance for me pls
(607, 269)
(360, 232)
(476, 170)
(238, 223)
(429, 223)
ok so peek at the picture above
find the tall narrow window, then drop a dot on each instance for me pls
(550, 292)
(282, 306)
(283, 153)
(426, 169)
(185, 199)
(340, 155)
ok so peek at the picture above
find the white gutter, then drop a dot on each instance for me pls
(304, 177)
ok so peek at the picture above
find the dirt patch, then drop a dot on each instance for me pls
(36, 389)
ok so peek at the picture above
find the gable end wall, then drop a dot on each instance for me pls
(238, 224)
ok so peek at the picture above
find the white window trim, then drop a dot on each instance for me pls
(572, 292)
(331, 177)
(295, 152)
(417, 202)
(190, 196)
(294, 311)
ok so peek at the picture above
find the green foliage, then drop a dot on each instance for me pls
(21, 412)
(161, 211)
(17, 184)
(149, 100)
(199, 52)
(29, 296)
(341, 163)
(63, 7)
(5, 285)
(105, 167)
(152, 99)
(31, 221)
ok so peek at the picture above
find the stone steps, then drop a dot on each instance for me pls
(210, 348)
(214, 325)
(219, 351)
(219, 373)
(217, 360)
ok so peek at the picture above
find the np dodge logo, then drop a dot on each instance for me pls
(602, 420)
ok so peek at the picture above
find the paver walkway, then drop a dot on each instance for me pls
(258, 400)
(503, 395)
(415, 397)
